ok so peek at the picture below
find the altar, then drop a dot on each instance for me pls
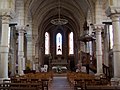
(59, 69)
(59, 64)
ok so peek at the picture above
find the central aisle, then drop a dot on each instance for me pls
(60, 83)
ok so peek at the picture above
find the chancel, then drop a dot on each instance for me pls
(59, 44)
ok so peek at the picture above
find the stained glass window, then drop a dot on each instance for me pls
(47, 43)
(59, 44)
(71, 51)
(111, 36)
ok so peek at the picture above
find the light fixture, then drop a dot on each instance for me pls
(59, 20)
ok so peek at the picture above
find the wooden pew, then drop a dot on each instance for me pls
(21, 86)
(79, 84)
(25, 86)
(4, 86)
(44, 84)
(31, 78)
(102, 87)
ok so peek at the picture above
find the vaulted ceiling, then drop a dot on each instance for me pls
(43, 11)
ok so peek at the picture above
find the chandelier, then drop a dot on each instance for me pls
(59, 21)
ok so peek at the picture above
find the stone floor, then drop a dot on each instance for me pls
(60, 83)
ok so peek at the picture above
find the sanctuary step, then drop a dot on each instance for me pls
(60, 74)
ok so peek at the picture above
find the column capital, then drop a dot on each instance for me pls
(21, 28)
(4, 11)
(112, 10)
(115, 17)
(5, 16)
(99, 27)
(7, 12)
(5, 19)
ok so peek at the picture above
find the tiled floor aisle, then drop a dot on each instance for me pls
(60, 83)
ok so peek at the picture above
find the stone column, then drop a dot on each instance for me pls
(99, 48)
(116, 44)
(21, 30)
(91, 42)
(21, 58)
(29, 49)
(106, 45)
(4, 49)
(13, 48)
(88, 47)
(114, 13)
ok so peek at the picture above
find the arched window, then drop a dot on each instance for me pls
(111, 36)
(59, 44)
(71, 51)
(47, 43)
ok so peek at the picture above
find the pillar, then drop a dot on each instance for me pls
(87, 47)
(29, 49)
(114, 13)
(116, 44)
(106, 45)
(4, 48)
(21, 58)
(98, 30)
(91, 42)
(13, 50)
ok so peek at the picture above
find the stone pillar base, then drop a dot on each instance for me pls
(1, 79)
(115, 81)
(99, 75)
(21, 73)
